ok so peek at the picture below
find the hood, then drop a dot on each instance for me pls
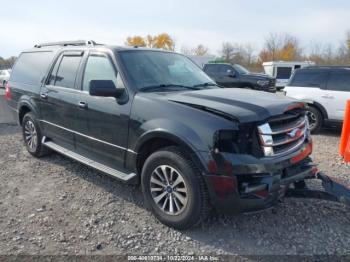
(257, 76)
(241, 104)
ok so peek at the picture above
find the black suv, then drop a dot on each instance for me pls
(154, 117)
(227, 75)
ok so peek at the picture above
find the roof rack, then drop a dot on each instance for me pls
(67, 43)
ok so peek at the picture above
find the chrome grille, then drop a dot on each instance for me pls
(283, 134)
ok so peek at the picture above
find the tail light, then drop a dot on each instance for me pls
(7, 92)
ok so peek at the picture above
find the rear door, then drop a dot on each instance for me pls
(212, 71)
(60, 100)
(337, 93)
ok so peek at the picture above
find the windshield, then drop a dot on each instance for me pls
(241, 70)
(163, 71)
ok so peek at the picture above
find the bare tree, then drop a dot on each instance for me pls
(272, 44)
(227, 51)
(200, 50)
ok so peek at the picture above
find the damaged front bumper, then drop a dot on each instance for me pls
(335, 189)
(239, 183)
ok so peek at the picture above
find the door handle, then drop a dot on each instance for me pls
(83, 104)
(327, 96)
(43, 95)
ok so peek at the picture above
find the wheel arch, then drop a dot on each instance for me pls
(24, 106)
(319, 107)
(156, 140)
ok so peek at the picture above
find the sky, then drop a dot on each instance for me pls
(189, 22)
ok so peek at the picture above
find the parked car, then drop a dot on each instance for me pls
(283, 70)
(227, 75)
(325, 90)
(154, 117)
(4, 77)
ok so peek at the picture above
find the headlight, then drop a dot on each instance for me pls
(263, 82)
(226, 141)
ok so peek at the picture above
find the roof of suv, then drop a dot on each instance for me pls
(324, 68)
(82, 44)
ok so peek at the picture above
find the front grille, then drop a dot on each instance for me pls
(283, 134)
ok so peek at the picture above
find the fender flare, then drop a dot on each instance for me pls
(163, 134)
(26, 102)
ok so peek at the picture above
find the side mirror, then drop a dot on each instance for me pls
(230, 73)
(105, 88)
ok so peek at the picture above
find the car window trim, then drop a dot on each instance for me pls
(329, 77)
(84, 64)
(59, 58)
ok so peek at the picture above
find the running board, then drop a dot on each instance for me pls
(91, 163)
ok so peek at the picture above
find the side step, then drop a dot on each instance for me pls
(100, 167)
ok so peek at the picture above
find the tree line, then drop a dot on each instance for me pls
(276, 47)
(7, 63)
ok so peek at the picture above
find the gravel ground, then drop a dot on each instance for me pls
(57, 206)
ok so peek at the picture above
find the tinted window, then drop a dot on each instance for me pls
(211, 69)
(240, 69)
(154, 68)
(30, 68)
(67, 71)
(308, 79)
(283, 72)
(339, 81)
(98, 68)
(224, 68)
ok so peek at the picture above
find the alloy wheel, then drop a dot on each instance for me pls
(169, 190)
(31, 135)
(312, 119)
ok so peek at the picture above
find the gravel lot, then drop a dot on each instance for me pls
(57, 206)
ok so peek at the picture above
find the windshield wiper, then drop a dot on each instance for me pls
(162, 87)
(205, 84)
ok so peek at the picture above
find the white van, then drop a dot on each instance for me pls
(283, 70)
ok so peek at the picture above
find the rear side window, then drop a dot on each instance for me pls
(211, 69)
(30, 68)
(339, 81)
(308, 79)
(67, 69)
(283, 72)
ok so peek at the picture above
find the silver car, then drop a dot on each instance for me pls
(4, 77)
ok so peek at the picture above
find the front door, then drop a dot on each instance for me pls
(104, 137)
(59, 100)
(227, 76)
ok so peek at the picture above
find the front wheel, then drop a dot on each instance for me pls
(174, 189)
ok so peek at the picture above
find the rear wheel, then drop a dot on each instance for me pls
(32, 136)
(315, 119)
(174, 189)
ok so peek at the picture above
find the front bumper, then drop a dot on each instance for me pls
(242, 183)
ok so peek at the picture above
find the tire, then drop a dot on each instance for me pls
(315, 119)
(32, 136)
(189, 197)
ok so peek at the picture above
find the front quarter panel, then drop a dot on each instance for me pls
(152, 115)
